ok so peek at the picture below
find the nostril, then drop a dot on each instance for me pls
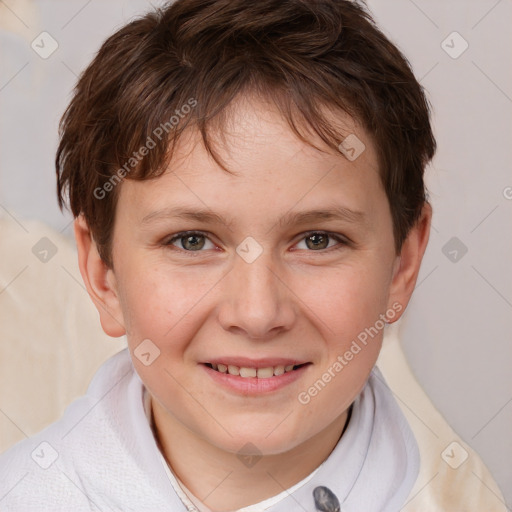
(325, 500)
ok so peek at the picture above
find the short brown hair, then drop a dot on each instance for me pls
(300, 54)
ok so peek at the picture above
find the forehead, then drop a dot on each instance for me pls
(272, 170)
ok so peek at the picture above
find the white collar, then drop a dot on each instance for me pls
(373, 467)
(107, 455)
(190, 501)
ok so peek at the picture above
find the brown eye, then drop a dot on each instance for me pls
(321, 242)
(317, 241)
(190, 242)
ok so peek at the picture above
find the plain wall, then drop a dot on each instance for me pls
(456, 332)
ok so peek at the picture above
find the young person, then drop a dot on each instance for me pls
(247, 182)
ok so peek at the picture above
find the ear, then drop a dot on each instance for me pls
(407, 264)
(99, 280)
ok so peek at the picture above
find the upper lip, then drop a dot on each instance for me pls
(246, 362)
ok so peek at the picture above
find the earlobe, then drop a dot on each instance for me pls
(407, 264)
(99, 281)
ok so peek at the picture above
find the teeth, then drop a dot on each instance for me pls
(233, 370)
(248, 372)
(278, 370)
(261, 373)
(265, 373)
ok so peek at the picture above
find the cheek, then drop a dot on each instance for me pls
(350, 305)
(352, 331)
(159, 303)
(160, 308)
(345, 301)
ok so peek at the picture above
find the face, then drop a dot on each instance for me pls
(245, 271)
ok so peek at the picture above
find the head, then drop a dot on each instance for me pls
(248, 185)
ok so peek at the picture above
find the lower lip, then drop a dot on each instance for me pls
(254, 385)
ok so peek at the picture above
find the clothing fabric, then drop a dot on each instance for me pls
(102, 455)
(382, 473)
(194, 504)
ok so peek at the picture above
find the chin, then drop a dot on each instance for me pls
(259, 438)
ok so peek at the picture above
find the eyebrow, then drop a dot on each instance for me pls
(199, 215)
(339, 213)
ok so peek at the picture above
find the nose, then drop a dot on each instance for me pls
(257, 302)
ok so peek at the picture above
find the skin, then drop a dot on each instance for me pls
(294, 300)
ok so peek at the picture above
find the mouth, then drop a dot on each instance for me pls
(260, 372)
(249, 376)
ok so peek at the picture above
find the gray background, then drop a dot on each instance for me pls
(456, 332)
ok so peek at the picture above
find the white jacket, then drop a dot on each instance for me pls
(101, 455)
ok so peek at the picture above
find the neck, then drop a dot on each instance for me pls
(219, 478)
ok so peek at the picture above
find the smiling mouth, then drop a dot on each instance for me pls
(260, 373)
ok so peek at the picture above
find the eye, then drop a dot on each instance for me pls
(196, 241)
(191, 241)
(320, 240)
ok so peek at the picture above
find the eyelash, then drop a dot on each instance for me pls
(342, 242)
